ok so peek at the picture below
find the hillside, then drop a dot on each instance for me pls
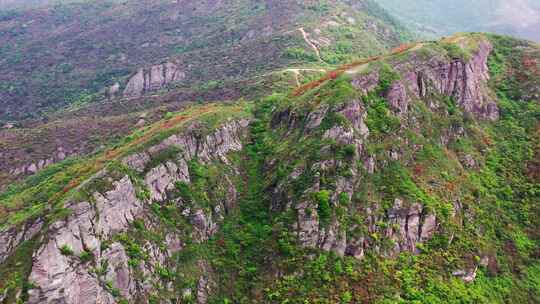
(81, 74)
(410, 177)
(79, 51)
(520, 18)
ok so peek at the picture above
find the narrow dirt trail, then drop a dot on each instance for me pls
(352, 67)
(296, 73)
(313, 46)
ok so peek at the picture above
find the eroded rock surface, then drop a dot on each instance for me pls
(153, 79)
(61, 277)
(464, 80)
(14, 236)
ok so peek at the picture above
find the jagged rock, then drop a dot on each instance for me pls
(113, 90)
(333, 239)
(468, 276)
(141, 122)
(484, 261)
(366, 83)
(468, 161)
(205, 283)
(137, 161)
(465, 81)
(340, 135)
(118, 270)
(202, 290)
(316, 117)
(407, 221)
(163, 178)
(204, 226)
(428, 227)
(32, 168)
(307, 225)
(14, 236)
(61, 279)
(153, 78)
(40, 164)
(369, 165)
(397, 98)
(231, 196)
(174, 244)
(214, 146)
(357, 115)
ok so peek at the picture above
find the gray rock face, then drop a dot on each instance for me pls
(214, 146)
(205, 284)
(34, 167)
(204, 226)
(468, 276)
(397, 97)
(118, 270)
(163, 178)
(408, 227)
(62, 278)
(137, 161)
(153, 79)
(366, 83)
(316, 117)
(357, 115)
(13, 237)
(465, 81)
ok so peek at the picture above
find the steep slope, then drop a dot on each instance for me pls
(519, 18)
(402, 178)
(66, 53)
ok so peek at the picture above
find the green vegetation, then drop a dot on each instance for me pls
(323, 206)
(66, 250)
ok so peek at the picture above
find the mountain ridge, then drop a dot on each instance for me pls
(391, 180)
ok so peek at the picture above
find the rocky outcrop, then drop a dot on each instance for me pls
(153, 79)
(214, 146)
(406, 224)
(464, 80)
(467, 276)
(81, 261)
(405, 227)
(34, 167)
(59, 275)
(14, 236)
(163, 178)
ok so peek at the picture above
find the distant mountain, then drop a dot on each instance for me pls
(520, 18)
(71, 52)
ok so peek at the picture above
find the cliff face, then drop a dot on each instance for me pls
(83, 261)
(407, 223)
(151, 79)
(384, 168)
